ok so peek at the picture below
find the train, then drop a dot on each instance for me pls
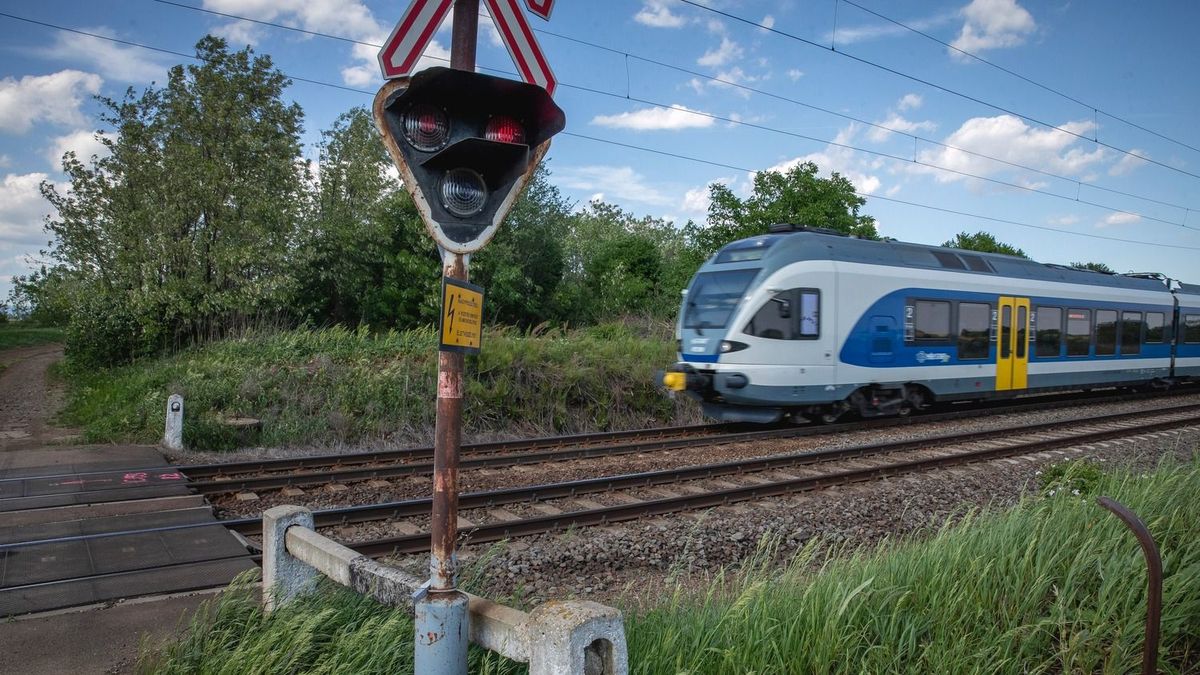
(805, 323)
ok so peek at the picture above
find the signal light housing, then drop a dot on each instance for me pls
(465, 144)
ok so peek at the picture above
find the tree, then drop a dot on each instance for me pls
(983, 242)
(188, 228)
(796, 196)
(1093, 266)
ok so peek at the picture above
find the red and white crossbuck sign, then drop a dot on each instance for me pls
(420, 21)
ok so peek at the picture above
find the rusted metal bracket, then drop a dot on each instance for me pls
(1154, 582)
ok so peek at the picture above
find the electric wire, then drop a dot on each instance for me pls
(737, 85)
(934, 85)
(1021, 77)
(640, 148)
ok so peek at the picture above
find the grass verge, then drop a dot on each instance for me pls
(1055, 585)
(21, 335)
(338, 385)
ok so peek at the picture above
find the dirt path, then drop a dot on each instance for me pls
(28, 399)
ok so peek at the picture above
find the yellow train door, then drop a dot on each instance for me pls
(1012, 344)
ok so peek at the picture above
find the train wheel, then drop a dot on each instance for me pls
(906, 408)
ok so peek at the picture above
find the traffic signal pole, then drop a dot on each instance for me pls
(441, 616)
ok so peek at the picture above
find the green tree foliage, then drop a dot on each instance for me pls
(984, 242)
(1093, 266)
(523, 265)
(185, 229)
(797, 196)
(365, 256)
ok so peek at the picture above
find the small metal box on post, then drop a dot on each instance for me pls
(465, 145)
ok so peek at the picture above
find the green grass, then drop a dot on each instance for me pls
(22, 335)
(1056, 585)
(319, 386)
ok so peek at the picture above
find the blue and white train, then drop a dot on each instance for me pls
(805, 322)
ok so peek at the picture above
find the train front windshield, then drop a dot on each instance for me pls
(713, 297)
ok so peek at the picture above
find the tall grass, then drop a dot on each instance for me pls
(1056, 585)
(334, 384)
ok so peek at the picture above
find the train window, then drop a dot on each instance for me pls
(1131, 332)
(1155, 323)
(713, 297)
(974, 329)
(1191, 329)
(1079, 332)
(1022, 332)
(976, 263)
(1106, 332)
(931, 321)
(1049, 332)
(790, 315)
(1005, 332)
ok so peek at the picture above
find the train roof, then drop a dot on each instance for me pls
(788, 244)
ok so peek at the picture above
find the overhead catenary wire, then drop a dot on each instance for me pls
(730, 83)
(934, 85)
(1024, 78)
(633, 146)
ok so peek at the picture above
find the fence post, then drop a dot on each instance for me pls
(284, 577)
(577, 637)
(173, 435)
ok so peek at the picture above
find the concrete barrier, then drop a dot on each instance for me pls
(173, 431)
(556, 638)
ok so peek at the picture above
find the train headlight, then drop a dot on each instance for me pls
(731, 346)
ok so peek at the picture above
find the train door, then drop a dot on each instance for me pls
(1012, 344)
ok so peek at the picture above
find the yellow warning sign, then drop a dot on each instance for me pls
(462, 316)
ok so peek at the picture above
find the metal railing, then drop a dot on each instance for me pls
(556, 638)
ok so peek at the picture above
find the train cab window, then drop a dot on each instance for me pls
(1106, 332)
(1049, 332)
(790, 315)
(1079, 332)
(1131, 332)
(1191, 329)
(974, 329)
(1155, 323)
(930, 321)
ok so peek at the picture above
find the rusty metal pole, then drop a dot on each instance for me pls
(1153, 582)
(441, 616)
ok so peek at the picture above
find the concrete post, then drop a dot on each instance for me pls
(173, 436)
(576, 637)
(284, 577)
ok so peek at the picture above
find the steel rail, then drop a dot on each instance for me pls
(587, 452)
(419, 543)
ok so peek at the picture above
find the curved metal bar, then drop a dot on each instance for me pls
(1154, 582)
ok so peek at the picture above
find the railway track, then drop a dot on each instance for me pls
(560, 506)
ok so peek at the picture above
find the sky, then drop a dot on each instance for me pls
(1076, 140)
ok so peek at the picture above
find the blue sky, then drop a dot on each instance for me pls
(955, 134)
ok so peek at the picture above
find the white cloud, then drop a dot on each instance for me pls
(53, 98)
(1008, 138)
(910, 102)
(767, 22)
(992, 24)
(239, 33)
(848, 163)
(656, 119)
(897, 123)
(1119, 218)
(695, 201)
(656, 14)
(1069, 219)
(795, 74)
(851, 34)
(1129, 162)
(83, 143)
(5, 161)
(727, 51)
(618, 182)
(22, 209)
(122, 63)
